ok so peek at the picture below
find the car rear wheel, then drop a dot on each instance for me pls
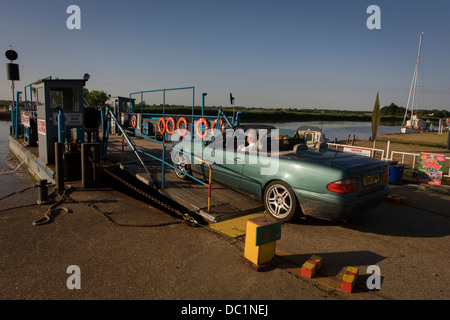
(280, 201)
(183, 166)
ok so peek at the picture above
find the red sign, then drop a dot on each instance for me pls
(431, 167)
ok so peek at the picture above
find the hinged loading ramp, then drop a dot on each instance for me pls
(149, 161)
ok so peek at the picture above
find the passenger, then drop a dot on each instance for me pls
(251, 139)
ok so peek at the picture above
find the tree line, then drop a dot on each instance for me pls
(394, 110)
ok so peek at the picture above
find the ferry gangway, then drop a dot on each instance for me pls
(164, 163)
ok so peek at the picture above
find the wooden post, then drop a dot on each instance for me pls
(448, 140)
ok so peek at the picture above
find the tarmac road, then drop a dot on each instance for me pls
(409, 243)
(168, 262)
(178, 262)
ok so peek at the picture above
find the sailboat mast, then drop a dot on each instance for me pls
(412, 90)
(417, 72)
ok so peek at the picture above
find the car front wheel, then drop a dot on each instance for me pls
(280, 201)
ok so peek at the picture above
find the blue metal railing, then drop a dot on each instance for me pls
(30, 86)
(220, 118)
(162, 160)
(130, 143)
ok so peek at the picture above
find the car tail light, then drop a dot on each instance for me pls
(344, 186)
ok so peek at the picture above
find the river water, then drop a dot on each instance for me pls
(341, 130)
(12, 176)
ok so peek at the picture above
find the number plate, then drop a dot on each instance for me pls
(373, 179)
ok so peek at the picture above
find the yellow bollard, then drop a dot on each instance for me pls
(311, 266)
(260, 241)
(349, 279)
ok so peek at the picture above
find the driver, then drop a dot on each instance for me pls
(251, 139)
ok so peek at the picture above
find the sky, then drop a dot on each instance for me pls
(277, 54)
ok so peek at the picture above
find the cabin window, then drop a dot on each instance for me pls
(67, 98)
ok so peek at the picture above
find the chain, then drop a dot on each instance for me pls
(67, 199)
(186, 217)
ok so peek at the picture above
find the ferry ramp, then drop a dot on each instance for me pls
(225, 203)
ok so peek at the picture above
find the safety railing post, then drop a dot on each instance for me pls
(130, 143)
(59, 166)
(163, 165)
(85, 169)
(13, 122)
(61, 126)
(16, 117)
(96, 161)
(123, 149)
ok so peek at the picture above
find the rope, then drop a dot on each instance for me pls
(52, 209)
(13, 170)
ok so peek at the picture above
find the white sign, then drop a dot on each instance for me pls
(25, 120)
(360, 151)
(74, 119)
(70, 119)
(41, 126)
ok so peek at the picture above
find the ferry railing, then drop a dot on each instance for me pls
(408, 159)
(407, 154)
(130, 143)
(361, 149)
(156, 116)
(163, 161)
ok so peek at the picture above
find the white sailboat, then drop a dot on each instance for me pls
(414, 125)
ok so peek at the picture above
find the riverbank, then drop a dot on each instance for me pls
(413, 142)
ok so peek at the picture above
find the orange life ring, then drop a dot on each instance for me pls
(202, 122)
(170, 120)
(161, 126)
(134, 121)
(213, 126)
(182, 121)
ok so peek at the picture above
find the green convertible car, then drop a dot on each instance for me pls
(292, 173)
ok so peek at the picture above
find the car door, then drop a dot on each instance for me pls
(227, 165)
(251, 173)
(257, 163)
